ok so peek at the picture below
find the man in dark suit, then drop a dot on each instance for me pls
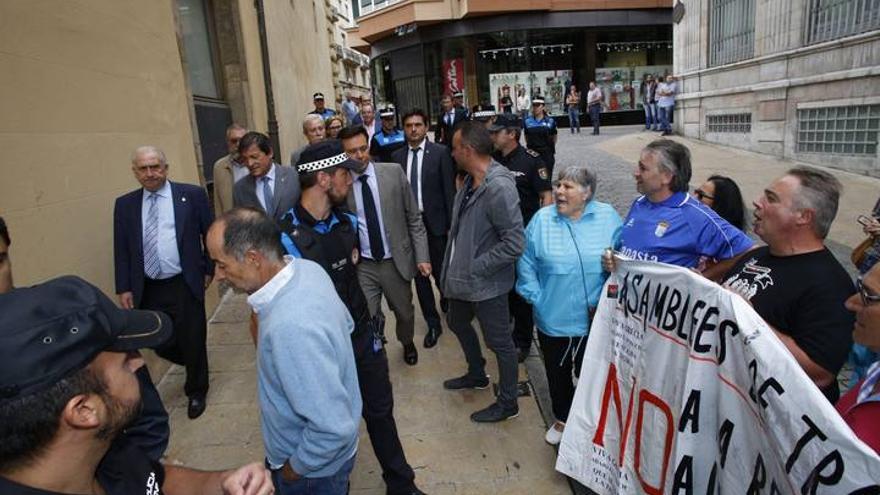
(270, 187)
(161, 263)
(447, 120)
(367, 118)
(431, 175)
(393, 245)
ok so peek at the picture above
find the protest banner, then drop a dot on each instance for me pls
(684, 389)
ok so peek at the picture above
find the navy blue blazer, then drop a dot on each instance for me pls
(192, 217)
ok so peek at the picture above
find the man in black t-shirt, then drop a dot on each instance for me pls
(68, 389)
(533, 186)
(794, 282)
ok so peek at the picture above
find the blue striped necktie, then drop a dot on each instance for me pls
(152, 268)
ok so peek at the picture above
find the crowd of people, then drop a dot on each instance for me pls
(363, 212)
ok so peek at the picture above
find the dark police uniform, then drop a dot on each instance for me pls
(326, 114)
(539, 138)
(124, 470)
(384, 144)
(330, 243)
(532, 178)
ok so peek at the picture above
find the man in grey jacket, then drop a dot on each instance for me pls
(485, 240)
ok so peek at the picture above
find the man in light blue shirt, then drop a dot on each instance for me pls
(310, 402)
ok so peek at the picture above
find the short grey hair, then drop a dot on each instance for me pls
(675, 158)
(581, 176)
(309, 119)
(251, 229)
(819, 191)
(148, 150)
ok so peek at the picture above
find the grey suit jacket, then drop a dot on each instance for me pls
(401, 217)
(286, 194)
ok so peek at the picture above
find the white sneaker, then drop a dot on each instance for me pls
(553, 436)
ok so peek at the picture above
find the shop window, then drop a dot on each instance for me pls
(832, 19)
(731, 31)
(623, 68)
(197, 43)
(729, 123)
(845, 130)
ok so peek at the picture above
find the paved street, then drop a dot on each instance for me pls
(449, 453)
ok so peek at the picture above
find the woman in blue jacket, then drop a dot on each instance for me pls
(560, 274)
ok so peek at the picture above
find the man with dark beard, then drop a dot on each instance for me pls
(320, 229)
(68, 389)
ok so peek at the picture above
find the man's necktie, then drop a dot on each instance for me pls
(152, 268)
(268, 197)
(415, 174)
(377, 249)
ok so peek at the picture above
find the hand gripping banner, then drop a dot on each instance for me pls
(685, 390)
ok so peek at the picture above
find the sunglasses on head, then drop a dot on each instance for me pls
(701, 194)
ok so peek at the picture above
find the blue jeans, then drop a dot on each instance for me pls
(335, 484)
(574, 121)
(595, 110)
(665, 114)
(651, 117)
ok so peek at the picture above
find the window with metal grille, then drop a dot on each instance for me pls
(731, 31)
(731, 122)
(851, 130)
(832, 19)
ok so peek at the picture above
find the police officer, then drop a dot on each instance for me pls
(324, 112)
(533, 186)
(458, 102)
(319, 229)
(540, 130)
(388, 139)
(485, 113)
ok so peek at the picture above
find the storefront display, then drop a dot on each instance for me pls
(620, 85)
(506, 86)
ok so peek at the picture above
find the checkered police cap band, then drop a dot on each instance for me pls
(484, 114)
(314, 166)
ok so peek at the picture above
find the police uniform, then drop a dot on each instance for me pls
(326, 113)
(532, 178)
(539, 137)
(331, 243)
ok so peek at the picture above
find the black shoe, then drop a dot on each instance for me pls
(196, 407)
(522, 354)
(495, 413)
(466, 381)
(410, 354)
(432, 337)
(413, 491)
(444, 304)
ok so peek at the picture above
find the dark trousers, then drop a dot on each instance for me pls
(595, 110)
(424, 292)
(187, 313)
(523, 320)
(335, 484)
(150, 431)
(549, 159)
(494, 321)
(378, 410)
(562, 356)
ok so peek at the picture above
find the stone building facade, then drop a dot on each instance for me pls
(798, 79)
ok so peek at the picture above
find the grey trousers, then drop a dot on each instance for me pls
(494, 321)
(381, 277)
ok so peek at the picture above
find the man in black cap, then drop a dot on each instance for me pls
(533, 186)
(322, 230)
(68, 358)
(388, 139)
(320, 109)
(541, 133)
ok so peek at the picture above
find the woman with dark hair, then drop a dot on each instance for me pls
(723, 195)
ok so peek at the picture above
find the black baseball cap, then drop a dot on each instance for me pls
(51, 330)
(318, 96)
(324, 154)
(505, 121)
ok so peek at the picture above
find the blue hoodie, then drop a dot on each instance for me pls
(560, 273)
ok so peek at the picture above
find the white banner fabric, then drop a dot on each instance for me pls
(684, 389)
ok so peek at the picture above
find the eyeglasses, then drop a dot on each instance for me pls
(701, 194)
(867, 299)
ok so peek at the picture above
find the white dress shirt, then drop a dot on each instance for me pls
(169, 256)
(416, 169)
(239, 171)
(363, 235)
(259, 186)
